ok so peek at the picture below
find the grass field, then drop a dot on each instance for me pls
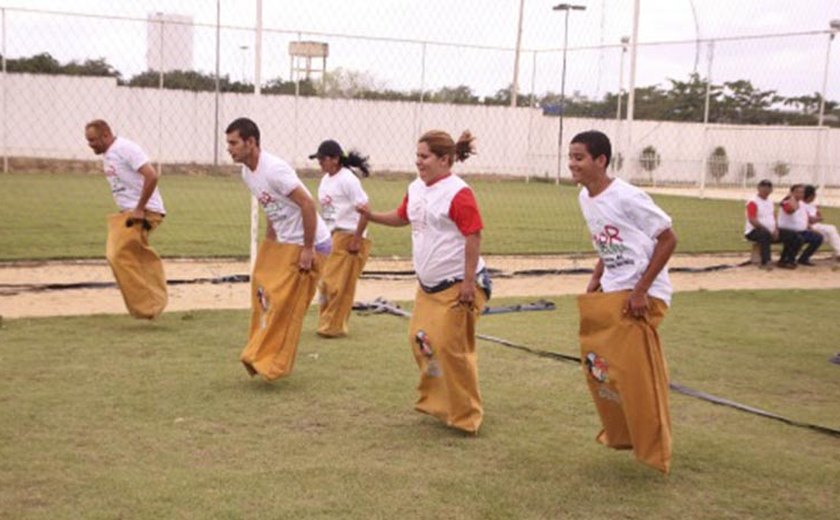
(107, 417)
(45, 216)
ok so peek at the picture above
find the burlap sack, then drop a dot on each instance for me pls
(136, 266)
(280, 296)
(449, 376)
(338, 285)
(627, 376)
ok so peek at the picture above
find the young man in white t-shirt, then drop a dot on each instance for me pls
(625, 300)
(793, 217)
(290, 258)
(632, 235)
(816, 222)
(137, 267)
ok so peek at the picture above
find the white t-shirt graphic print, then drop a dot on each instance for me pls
(338, 196)
(121, 162)
(272, 183)
(623, 223)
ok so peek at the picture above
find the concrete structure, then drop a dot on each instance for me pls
(45, 115)
(169, 42)
(306, 52)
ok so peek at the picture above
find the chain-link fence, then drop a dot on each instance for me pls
(708, 113)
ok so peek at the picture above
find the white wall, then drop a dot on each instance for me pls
(44, 116)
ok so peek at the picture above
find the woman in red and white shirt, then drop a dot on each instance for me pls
(453, 283)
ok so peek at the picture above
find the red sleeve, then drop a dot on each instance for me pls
(464, 212)
(752, 209)
(402, 211)
(786, 206)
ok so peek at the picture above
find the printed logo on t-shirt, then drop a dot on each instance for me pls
(611, 247)
(272, 208)
(328, 211)
(417, 215)
(117, 185)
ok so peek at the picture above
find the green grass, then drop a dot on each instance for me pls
(45, 216)
(106, 417)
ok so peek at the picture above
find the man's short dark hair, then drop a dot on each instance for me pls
(765, 183)
(596, 143)
(810, 191)
(246, 129)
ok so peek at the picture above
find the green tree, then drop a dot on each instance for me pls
(743, 103)
(687, 99)
(460, 95)
(652, 104)
(98, 67)
(200, 82)
(278, 86)
(346, 83)
(44, 63)
(502, 97)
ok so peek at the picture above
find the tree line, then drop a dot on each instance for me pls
(732, 102)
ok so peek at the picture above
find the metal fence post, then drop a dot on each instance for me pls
(5, 117)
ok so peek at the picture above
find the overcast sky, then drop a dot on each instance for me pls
(791, 65)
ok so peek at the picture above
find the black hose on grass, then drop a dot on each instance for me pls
(8, 289)
(384, 307)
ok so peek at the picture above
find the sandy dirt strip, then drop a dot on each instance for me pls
(17, 299)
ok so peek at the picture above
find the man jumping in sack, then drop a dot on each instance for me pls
(625, 301)
(137, 267)
(290, 259)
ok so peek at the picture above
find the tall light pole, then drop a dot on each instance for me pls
(514, 85)
(567, 8)
(218, 84)
(625, 40)
(244, 49)
(834, 27)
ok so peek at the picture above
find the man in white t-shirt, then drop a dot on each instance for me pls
(137, 267)
(794, 218)
(816, 222)
(290, 258)
(625, 301)
(632, 235)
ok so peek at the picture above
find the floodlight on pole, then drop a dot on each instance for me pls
(834, 28)
(566, 8)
